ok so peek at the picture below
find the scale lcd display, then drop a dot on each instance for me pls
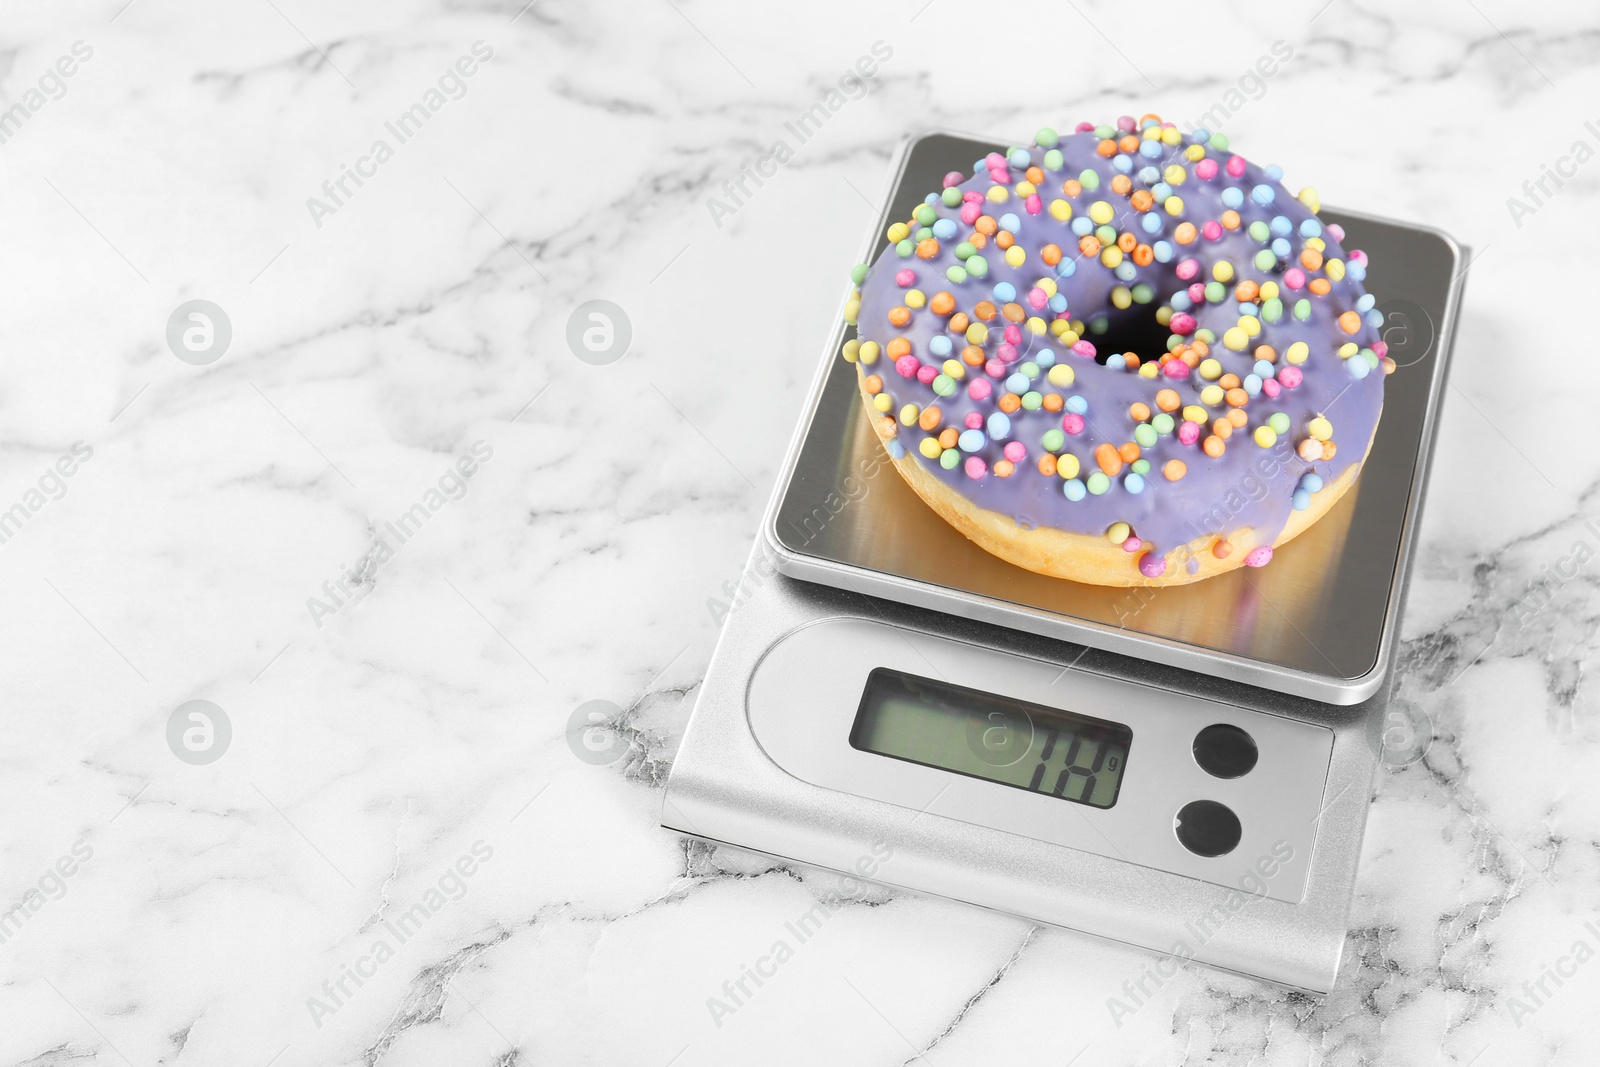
(982, 735)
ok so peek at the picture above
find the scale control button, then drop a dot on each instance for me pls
(1225, 751)
(1207, 828)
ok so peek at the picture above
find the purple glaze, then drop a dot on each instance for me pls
(1248, 485)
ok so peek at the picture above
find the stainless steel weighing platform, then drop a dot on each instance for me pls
(1234, 724)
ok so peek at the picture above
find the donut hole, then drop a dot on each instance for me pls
(1132, 330)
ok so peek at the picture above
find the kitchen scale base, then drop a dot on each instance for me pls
(726, 788)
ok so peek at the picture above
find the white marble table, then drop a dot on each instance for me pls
(397, 858)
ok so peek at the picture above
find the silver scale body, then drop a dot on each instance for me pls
(1297, 654)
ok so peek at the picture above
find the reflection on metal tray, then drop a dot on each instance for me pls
(1314, 623)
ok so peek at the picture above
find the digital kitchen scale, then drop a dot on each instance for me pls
(1184, 769)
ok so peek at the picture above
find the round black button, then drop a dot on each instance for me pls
(1225, 751)
(1207, 828)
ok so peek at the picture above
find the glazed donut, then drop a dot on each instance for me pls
(1124, 356)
